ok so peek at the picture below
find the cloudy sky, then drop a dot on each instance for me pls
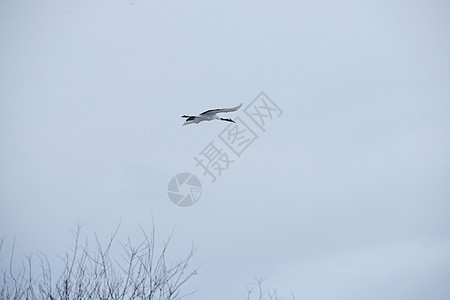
(343, 196)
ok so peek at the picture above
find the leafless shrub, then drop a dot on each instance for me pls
(141, 273)
(257, 291)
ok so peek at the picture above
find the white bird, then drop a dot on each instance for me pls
(210, 115)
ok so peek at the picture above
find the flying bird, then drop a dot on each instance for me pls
(210, 115)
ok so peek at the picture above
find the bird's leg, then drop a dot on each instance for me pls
(228, 120)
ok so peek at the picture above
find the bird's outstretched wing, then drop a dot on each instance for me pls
(220, 110)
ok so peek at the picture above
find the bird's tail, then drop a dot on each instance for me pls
(184, 116)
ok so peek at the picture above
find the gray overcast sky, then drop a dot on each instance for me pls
(345, 196)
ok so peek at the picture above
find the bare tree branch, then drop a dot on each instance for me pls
(141, 274)
(259, 292)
